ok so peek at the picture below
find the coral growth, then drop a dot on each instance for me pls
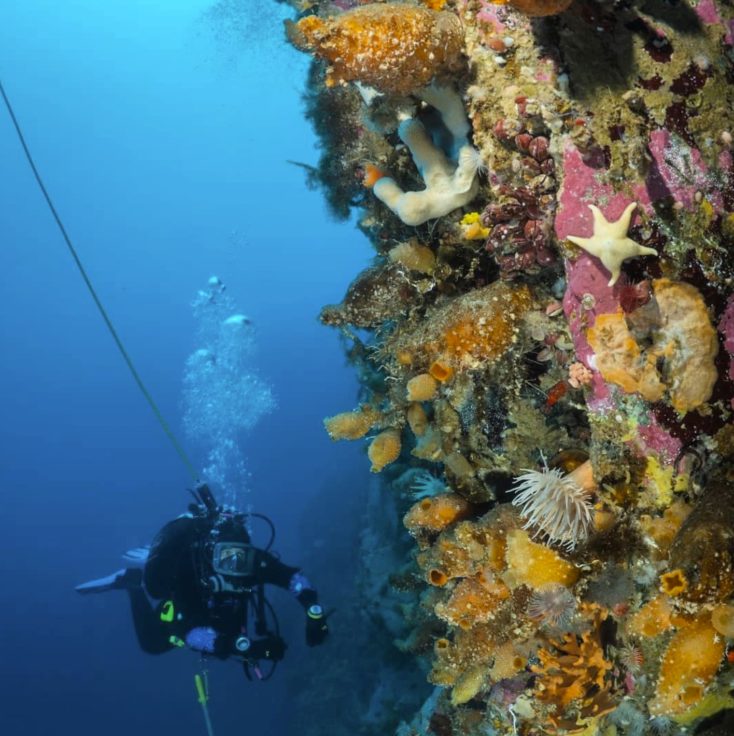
(544, 600)
(535, 565)
(393, 47)
(472, 601)
(703, 548)
(539, 8)
(450, 184)
(573, 680)
(377, 294)
(668, 345)
(436, 512)
(414, 256)
(688, 667)
(520, 225)
(469, 330)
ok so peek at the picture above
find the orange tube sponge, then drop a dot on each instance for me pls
(446, 560)
(441, 370)
(395, 48)
(371, 175)
(470, 648)
(469, 547)
(384, 449)
(351, 425)
(689, 665)
(535, 565)
(436, 512)
(674, 583)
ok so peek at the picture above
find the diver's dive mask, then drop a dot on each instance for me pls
(233, 559)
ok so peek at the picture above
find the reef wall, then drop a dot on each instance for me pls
(544, 343)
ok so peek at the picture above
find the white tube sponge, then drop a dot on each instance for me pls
(449, 185)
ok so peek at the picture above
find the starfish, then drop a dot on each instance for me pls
(610, 243)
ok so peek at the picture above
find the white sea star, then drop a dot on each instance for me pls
(610, 243)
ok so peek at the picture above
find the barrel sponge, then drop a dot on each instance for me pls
(689, 665)
(435, 513)
(672, 349)
(535, 565)
(421, 387)
(384, 449)
(351, 425)
(395, 48)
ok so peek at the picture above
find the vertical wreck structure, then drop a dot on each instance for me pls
(544, 343)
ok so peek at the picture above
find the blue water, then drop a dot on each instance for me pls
(163, 139)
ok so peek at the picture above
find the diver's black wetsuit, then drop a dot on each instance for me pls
(202, 613)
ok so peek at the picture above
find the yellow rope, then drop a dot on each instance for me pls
(161, 420)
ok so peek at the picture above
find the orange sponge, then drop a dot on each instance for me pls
(394, 47)
(436, 513)
(689, 665)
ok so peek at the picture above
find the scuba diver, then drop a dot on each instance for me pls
(209, 581)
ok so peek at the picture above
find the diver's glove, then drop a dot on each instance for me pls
(270, 647)
(316, 627)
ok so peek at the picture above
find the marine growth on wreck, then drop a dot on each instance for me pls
(545, 345)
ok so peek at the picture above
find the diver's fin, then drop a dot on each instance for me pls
(120, 580)
(137, 556)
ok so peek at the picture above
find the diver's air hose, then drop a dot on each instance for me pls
(161, 420)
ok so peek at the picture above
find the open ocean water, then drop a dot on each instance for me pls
(163, 131)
